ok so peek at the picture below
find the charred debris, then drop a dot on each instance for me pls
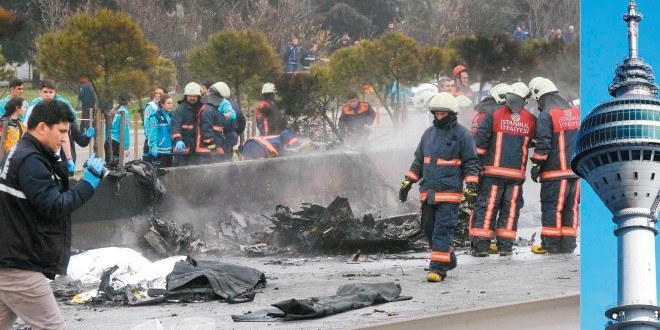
(314, 230)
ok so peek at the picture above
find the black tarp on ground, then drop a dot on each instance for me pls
(348, 297)
(232, 283)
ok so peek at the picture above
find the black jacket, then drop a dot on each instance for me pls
(36, 204)
(76, 136)
(237, 125)
(184, 124)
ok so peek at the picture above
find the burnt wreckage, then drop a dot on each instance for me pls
(335, 229)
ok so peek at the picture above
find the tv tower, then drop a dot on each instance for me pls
(618, 153)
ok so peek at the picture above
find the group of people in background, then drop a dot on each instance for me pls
(297, 59)
(521, 33)
(15, 111)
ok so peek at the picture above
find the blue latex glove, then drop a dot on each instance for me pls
(71, 166)
(179, 146)
(94, 170)
(90, 132)
(154, 153)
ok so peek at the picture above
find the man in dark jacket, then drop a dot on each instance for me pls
(211, 141)
(445, 158)
(184, 126)
(292, 56)
(234, 129)
(355, 119)
(35, 239)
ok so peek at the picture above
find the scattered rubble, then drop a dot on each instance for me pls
(334, 229)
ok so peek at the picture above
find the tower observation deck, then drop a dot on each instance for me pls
(618, 153)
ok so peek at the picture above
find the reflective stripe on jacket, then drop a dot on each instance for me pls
(503, 139)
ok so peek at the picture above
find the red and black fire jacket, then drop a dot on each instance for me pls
(503, 140)
(556, 134)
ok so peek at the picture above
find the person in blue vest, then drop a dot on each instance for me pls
(160, 138)
(262, 147)
(149, 110)
(122, 107)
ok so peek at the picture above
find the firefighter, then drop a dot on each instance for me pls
(184, 126)
(211, 138)
(355, 119)
(268, 117)
(461, 82)
(262, 147)
(445, 157)
(494, 100)
(502, 144)
(557, 129)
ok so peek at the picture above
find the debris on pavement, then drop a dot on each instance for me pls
(335, 229)
(348, 297)
(181, 279)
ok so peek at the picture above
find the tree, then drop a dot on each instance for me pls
(435, 62)
(106, 47)
(235, 57)
(391, 58)
(490, 58)
(99, 47)
(162, 74)
(4, 73)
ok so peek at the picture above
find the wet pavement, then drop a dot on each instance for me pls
(475, 283)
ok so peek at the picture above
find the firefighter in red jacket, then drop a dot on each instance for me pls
(557, 129)
(355, 119)
(502, 144)
(445, 157)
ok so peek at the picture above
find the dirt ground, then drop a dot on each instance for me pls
(475, 283)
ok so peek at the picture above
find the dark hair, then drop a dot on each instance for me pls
(47, 84)
(50, 112)
(208, 83)
(351, 95)
(164, 98)
(123, 98)
(15, 82)
(13, 104)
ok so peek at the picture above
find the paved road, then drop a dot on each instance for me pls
(475, 283)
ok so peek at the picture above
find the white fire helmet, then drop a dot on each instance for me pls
(268, 88)
(498, 91)
(464, 103)
(192, 88)
(519, 89)
(222, 88)
(540, 86)
(443, 101)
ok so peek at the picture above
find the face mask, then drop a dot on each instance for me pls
(514, 102)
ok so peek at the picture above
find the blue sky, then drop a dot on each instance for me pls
(604, 43)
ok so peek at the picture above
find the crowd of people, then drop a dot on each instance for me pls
(478, 155)
(521, 33)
